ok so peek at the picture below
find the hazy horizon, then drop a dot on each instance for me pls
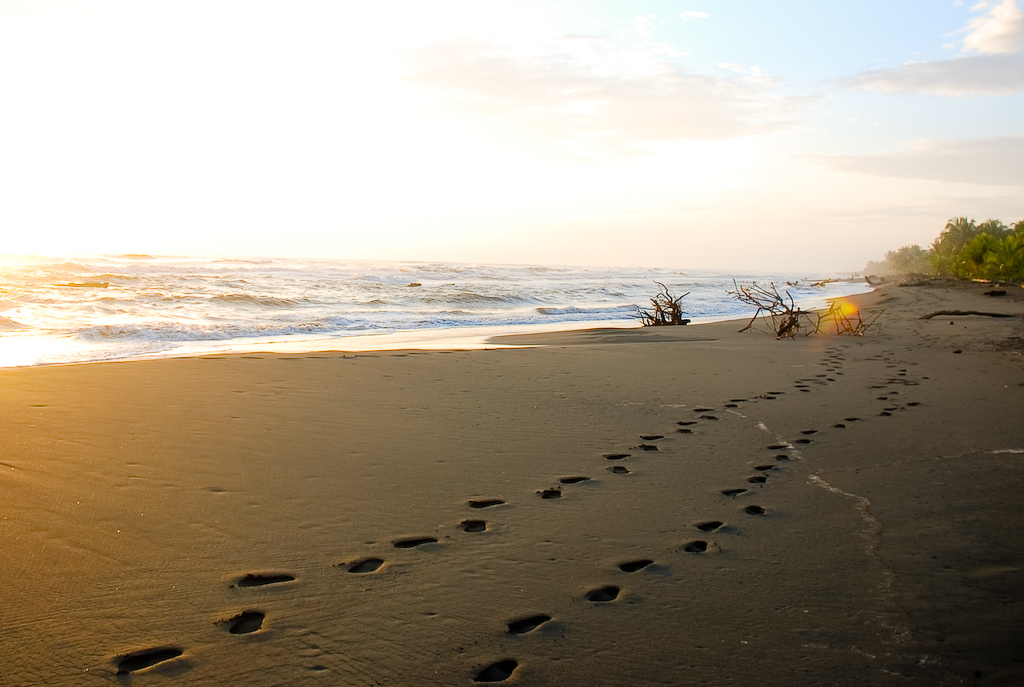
(698, 135)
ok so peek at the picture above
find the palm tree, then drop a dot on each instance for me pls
(993, 227)
(1006, 259)
(975, 260)
(958, 232)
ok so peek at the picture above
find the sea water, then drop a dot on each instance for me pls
(138, 306)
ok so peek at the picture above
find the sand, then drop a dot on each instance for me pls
(667, 506)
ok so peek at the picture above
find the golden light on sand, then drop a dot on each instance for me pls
(848, 309)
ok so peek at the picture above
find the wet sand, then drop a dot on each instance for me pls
(676, 506)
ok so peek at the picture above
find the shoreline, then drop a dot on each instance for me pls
(479, 337)
(27, 348)
(678, 504)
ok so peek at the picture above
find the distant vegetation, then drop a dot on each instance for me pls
(965, 250)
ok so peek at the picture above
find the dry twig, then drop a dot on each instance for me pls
(665, 309)
(837, 318)
(786, 318)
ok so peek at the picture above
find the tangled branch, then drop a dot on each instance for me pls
(839, 319)
(665, 309)
(787, 320)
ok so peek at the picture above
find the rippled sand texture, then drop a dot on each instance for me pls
(674, 506)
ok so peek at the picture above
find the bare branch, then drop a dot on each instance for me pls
(666, 309)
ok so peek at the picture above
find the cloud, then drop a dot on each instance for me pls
(693, 14)
(970, 75)
(597, 92)
(991, 61)
(983, 161)
(999, 32)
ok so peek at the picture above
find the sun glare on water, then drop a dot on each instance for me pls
(19, 350)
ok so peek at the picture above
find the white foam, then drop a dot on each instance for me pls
(168, 305)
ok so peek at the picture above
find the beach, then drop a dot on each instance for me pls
(660, 506)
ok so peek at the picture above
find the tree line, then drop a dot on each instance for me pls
(965, 250)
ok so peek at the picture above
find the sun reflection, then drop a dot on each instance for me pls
(20, 350)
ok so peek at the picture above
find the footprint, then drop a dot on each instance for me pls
(851, 419)
(256, 580)
(764, 468)
(616, 456)
(497, 672)
(413, 542)
(619, 470)
(687, 424)
(573, 480)
(913, 404)
(757, 479)
(524, 625)
(778, 447)
(245, 622)
(473, 526)
(685, 431)
(651, 437)
(709, 526)
(485, 503)
(633, 566)
(732, 492)
(754, 510)
(702, 410)
(550, 493)
(697, 546)
(782, 456)
(708, 417)
(803, 441)
(737, 400)
(645, 447)
(603, 594)
(839, 425)
(366, 565)
(809, 432)
(776, 393)
(137, 660)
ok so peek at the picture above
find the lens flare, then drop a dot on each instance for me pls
(848, 309)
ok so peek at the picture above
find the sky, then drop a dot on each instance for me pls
(718, 134)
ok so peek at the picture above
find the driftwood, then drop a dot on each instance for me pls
(836, 318)
(787, 320)
(965, 312)
(666, 309)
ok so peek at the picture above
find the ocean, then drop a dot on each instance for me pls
(55, 310)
